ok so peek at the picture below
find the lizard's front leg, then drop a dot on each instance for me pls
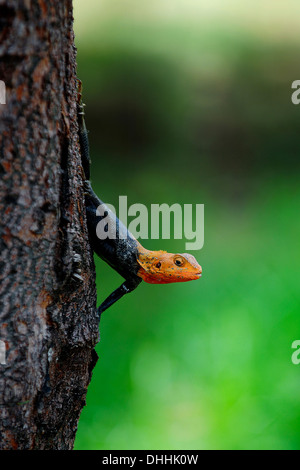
(125, 288)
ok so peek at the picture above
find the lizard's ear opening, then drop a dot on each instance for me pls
(150, 261)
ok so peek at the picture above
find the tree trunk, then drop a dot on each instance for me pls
(48, 320)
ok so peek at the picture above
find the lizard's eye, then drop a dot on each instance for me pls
(178, 262)
(158, 265)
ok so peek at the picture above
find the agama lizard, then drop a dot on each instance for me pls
(123, 252)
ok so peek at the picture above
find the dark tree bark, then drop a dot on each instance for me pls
(48, 319)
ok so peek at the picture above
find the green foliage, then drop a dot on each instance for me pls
(181, 115)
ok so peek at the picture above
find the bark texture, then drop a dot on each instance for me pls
(48, 319)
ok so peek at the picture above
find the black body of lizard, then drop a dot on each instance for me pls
(122, 251)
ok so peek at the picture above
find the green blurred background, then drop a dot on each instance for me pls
(190, 102)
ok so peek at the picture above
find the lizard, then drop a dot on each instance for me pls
(123, 252)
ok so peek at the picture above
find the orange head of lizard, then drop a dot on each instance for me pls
(160, 267)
